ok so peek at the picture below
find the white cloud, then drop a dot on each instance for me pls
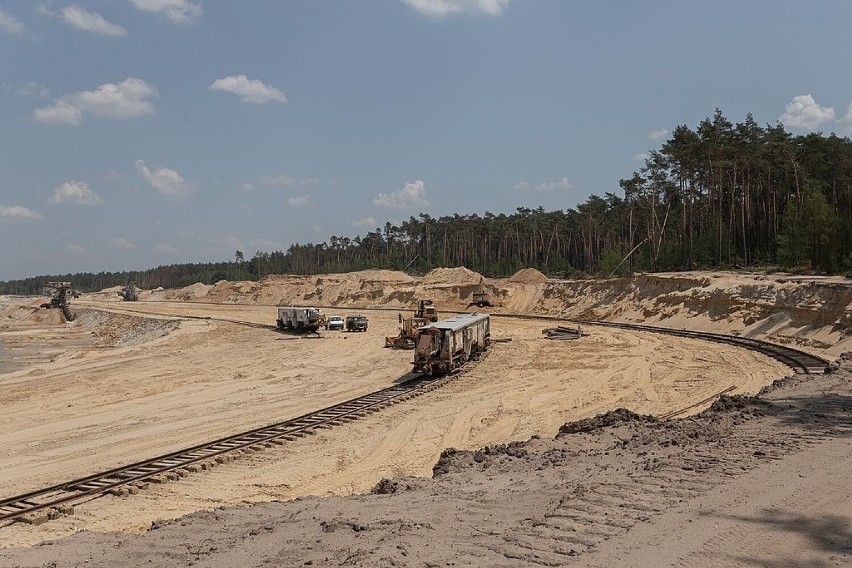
(82, 19)
(123, 243)
(74, 248)
(9, 24)
(177, 11)
(160, 247)
(19, 212)
(411, 195)
(299, 201)
(658, 134)
(60, 112)
(545, 186)
(251, 90)
(441, 8)
(247, 187)
(165, 180)
(803, 113)
(846, 121)
(364, 223)
(74, 192)
(123, 100)
(289, 181)
(32, 89)
(641, 156)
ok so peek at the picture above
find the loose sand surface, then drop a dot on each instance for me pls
(127, 381)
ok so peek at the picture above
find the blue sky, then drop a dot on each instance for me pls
(135, 133)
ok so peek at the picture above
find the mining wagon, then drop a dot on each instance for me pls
(444, 346)
(301, 319)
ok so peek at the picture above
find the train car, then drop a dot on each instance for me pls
(444, 346)
(294, 318)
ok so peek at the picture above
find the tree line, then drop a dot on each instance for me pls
(722, 195)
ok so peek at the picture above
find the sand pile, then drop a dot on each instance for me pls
(457, 276)
(528, 276)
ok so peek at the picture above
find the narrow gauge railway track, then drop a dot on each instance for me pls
(56, 498)
(800, 361)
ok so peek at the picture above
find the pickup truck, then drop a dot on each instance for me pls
(334, 323)
(356, 323)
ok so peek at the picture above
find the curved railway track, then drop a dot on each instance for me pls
(56, 499)
(43, 504)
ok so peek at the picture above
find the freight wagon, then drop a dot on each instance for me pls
(293, 318)
(444, 346)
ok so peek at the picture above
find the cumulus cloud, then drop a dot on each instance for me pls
(247, 187)
(160, 247)
(442, 8)
(123, 100)
(122, 243)
(411, 195)
(364, 223)
(251, 90)
(177, 11)
(74, 248)
(658, 134)
(299, 201)
(9, 24)
(545, 186)
(82, 19)
(77, 192)
(19, 212)
(641, 156)
(166, 181)
(803, 113)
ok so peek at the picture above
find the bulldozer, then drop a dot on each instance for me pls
(59, 296)
(480, 298)
(424, 314)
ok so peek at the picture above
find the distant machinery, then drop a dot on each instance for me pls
(480, 297)
(59, 298)
(129, 293)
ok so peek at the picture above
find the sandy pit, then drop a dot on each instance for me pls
(127, 381)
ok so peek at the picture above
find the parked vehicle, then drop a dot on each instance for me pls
(293, 318)
(334, 323)
(356, 323)
(444, 346)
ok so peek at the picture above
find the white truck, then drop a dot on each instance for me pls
(295, 318)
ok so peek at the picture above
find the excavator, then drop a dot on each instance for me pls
(59, 297)
(128, 293)
(480, 298)
(424, 314)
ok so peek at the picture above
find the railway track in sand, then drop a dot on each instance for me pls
(44, 504)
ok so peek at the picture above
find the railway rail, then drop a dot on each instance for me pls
(54, 500)
(40, 505)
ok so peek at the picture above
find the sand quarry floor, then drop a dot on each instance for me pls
(127, 381)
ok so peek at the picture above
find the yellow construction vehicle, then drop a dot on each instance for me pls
(424, 314)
